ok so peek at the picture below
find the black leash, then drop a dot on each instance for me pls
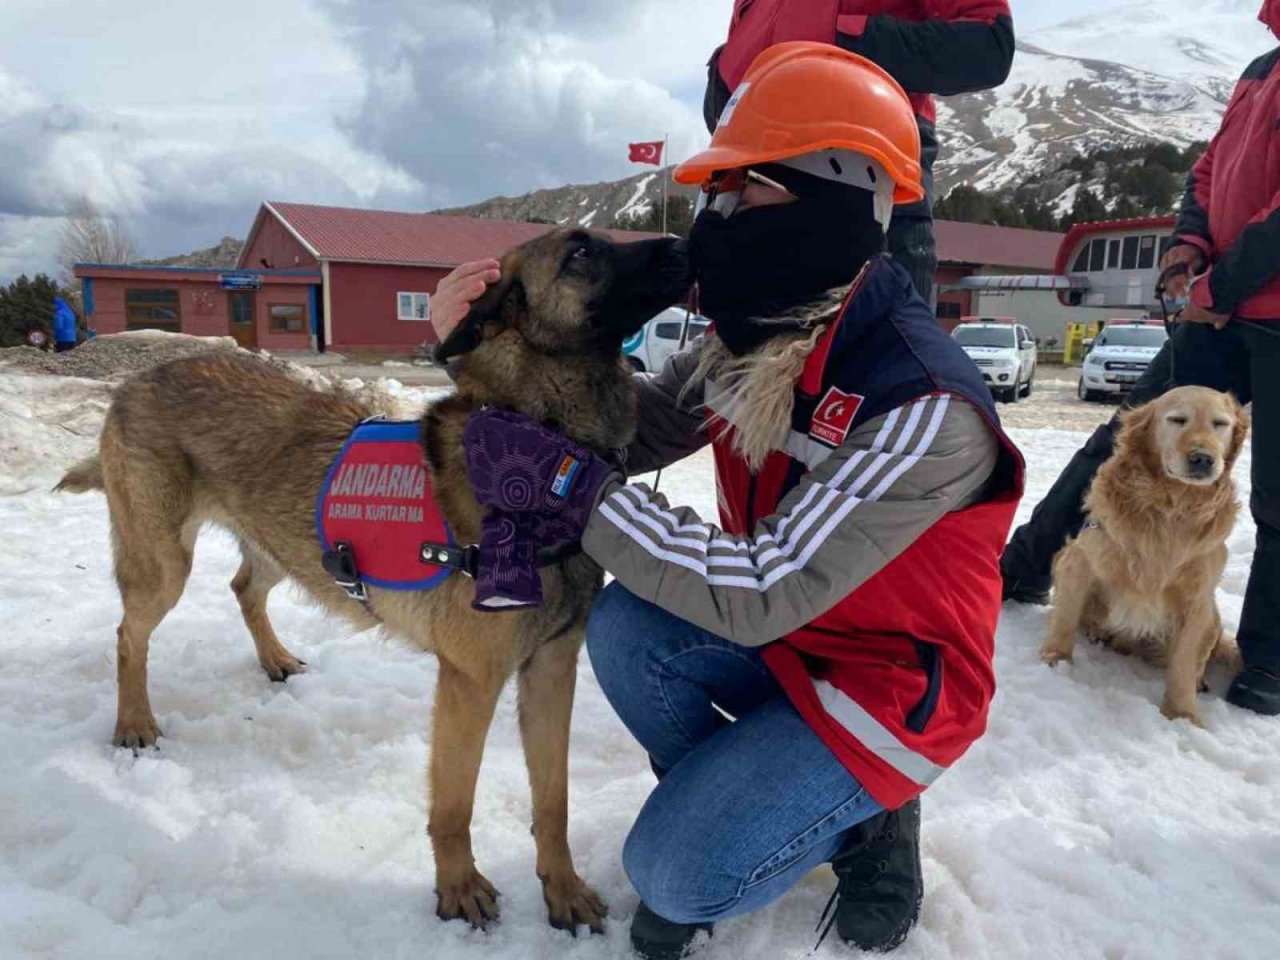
(1169, 317)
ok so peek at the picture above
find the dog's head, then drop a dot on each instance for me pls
(571, 292)
(1191, 434)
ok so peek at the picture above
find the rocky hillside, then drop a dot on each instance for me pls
(601, 205)
(223, 255)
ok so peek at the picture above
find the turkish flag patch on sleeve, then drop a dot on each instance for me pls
(834, 416)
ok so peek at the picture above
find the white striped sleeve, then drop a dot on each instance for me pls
(847, 518)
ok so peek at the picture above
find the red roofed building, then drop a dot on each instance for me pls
(310, 277)
(318, 278)
(968, 249)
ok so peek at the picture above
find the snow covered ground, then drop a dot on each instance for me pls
(287, 821)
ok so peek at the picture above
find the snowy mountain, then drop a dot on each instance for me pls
(1148, 71)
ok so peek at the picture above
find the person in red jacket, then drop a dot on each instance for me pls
(931, 47)
(1227, 241)
(842, 610)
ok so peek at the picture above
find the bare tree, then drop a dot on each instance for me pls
(90, 236)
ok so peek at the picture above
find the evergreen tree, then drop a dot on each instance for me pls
(26, 305)
(1086, 209)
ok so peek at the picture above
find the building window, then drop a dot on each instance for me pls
(949, 311)
(1097, 255)
(1147, 256)
(1129, 261)
(242, 309)
(1113, 254)
(288, 318)
(1082, 260)
(152, 310)
(413, 306)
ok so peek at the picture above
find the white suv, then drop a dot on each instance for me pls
(658, 339)
(1119, 356)
(1005, 353)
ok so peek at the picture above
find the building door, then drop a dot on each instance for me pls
(243, 319)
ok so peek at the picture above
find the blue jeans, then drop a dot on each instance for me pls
(743, 809)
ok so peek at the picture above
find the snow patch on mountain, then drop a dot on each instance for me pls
(636, 206)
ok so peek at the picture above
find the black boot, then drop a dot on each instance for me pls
(879, 884)
(1026, 589)
(1256, 689)
(653, 938)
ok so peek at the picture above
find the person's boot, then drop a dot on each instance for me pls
(653, 938)
(879, 883)
(1256, 689)
(1025, 589)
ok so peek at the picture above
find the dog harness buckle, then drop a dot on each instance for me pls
(463, 559)
(340, 564)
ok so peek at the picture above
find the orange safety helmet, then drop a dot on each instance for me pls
(800, 97)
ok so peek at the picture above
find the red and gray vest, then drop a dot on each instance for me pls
(897, 677)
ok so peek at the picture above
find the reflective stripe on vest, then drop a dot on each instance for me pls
(876, 737)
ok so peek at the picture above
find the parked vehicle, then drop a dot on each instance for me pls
(1119, 355)
(1005, 352)
(660, 338)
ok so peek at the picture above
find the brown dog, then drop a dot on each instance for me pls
(228, 439)
(1141, 575)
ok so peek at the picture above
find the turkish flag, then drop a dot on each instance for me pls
(647, 153)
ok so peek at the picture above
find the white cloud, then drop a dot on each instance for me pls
(181, 118)
(474, 98)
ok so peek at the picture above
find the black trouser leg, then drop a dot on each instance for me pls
(1195, 354)
(911, 241)
(1259, 634)
(1030, 552)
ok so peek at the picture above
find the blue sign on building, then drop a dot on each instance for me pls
(240, 281)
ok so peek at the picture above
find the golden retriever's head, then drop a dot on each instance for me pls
(1190, 434)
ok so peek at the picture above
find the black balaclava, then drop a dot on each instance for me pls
(761, 262)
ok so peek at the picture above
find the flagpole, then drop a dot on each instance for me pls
(665, 138)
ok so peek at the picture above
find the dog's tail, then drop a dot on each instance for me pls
(83, 477)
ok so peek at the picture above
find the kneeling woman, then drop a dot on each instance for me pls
(843, 612)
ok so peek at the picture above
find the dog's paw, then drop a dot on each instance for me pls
(284, 666)
(471, 898)
(571, 904)
(136, 733)
(1176, 712)
(1055, 657)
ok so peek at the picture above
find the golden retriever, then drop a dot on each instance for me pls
(1141, 575)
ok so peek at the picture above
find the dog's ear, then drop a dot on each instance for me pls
(501, 307)
(1239, 431)
(1136, 441)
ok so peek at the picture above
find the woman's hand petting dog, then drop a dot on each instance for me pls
(457, 291)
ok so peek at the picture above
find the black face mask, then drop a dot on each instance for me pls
(762, 261)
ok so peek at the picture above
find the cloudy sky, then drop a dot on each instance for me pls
(180, 116)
